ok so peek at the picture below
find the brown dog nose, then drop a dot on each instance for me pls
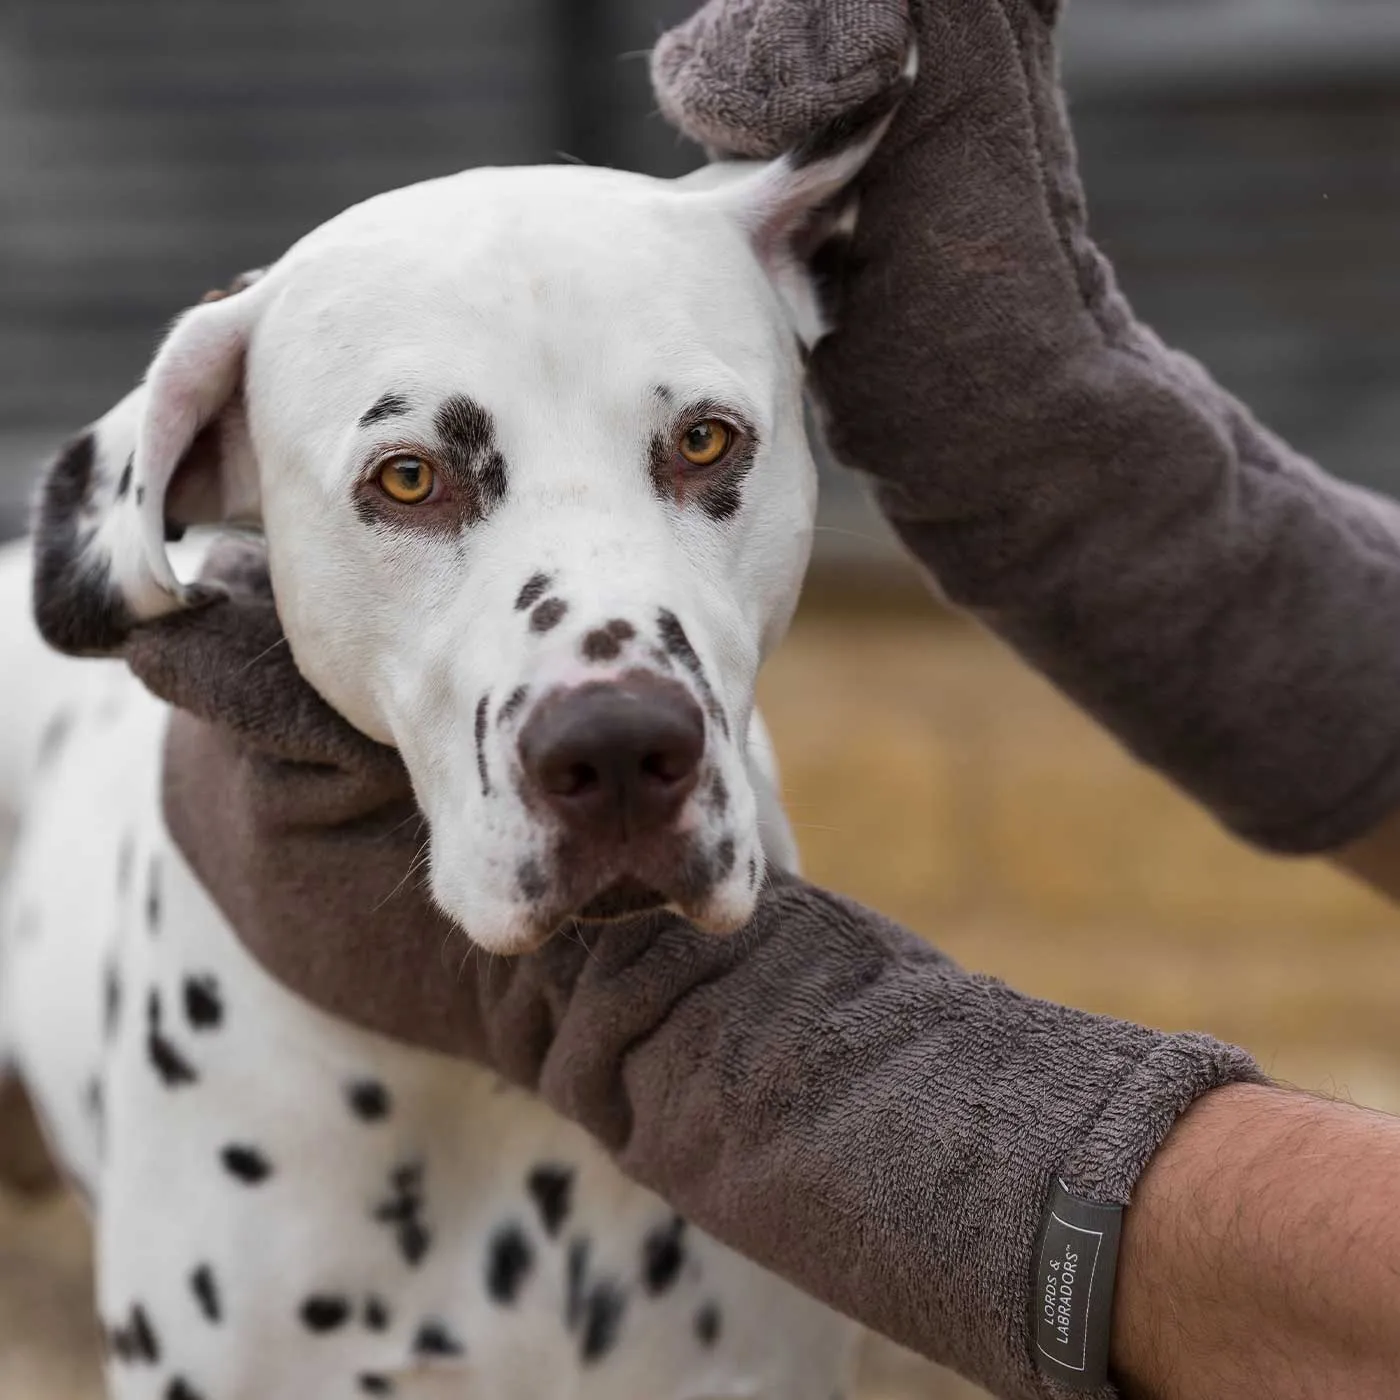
(618, 756)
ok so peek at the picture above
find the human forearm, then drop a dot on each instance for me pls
(1261, 1255)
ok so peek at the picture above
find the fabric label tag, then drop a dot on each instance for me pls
(1072, 1291)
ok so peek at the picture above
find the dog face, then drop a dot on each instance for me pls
(528, 452)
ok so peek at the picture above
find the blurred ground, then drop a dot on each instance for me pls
(931, 776)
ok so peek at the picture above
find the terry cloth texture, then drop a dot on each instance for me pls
(1227, 610)
(824, 1092)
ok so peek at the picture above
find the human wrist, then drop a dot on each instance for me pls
(1260, 1253)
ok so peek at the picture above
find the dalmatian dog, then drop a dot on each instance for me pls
(527, 450)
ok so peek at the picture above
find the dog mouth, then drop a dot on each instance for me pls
(622, 899)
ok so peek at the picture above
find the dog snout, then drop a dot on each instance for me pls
(615, 757)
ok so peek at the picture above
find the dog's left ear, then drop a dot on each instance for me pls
(173, 453)
(795, 208)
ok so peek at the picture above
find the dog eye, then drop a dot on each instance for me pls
(704, 443)
(407, 480)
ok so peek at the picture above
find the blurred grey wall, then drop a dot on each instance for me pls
(1242, 157)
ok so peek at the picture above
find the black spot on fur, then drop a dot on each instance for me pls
(95, 1104)
(204, 1007)
(605, 643)
(153, 896)
(75, 605)
(548, 615)
(135, 1340)
(598, 645)
(491, 479)
(467, 433)
(55, 735)
(206, 1292)
(324, 1312)
(576, 1277)
(172, 1067)
(724, 858)
(552, 1189)
(677, 644)
(368, 1100)
(246, 1163)
(533, 885)
(403, 1211)
(180, 1389)
(141, 495)
(753, 871)
(376, 1314)
(387, 406)
(663, 1254)
(514, 701)
(508, 1264)
(719, 795)
(602, 1321)
(535, 587)
(707, 1325)
(434, 1339)
(373, 1384)
(124, 480)
(111, 1001)
(482, 706)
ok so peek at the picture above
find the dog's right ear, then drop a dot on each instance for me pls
(173, 453)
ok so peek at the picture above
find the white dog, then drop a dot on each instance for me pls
(527, 449)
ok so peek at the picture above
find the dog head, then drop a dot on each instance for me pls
(527, 448)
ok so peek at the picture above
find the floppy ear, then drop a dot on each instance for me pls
(797, 207)
(173, 453)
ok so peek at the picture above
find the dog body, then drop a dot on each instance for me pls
(527, 450)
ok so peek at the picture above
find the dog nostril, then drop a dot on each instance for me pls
(575, 779)
(668, 766)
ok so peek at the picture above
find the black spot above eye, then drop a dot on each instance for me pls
(552, 1188)
(508, 1264)
(368, 1099)
(324, 1312)
(247, 1164)
(534, 588)
(387, 406)
(204, 1007)
(180, 1389)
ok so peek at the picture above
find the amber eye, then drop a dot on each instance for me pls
(704, 443)
(407, 480)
